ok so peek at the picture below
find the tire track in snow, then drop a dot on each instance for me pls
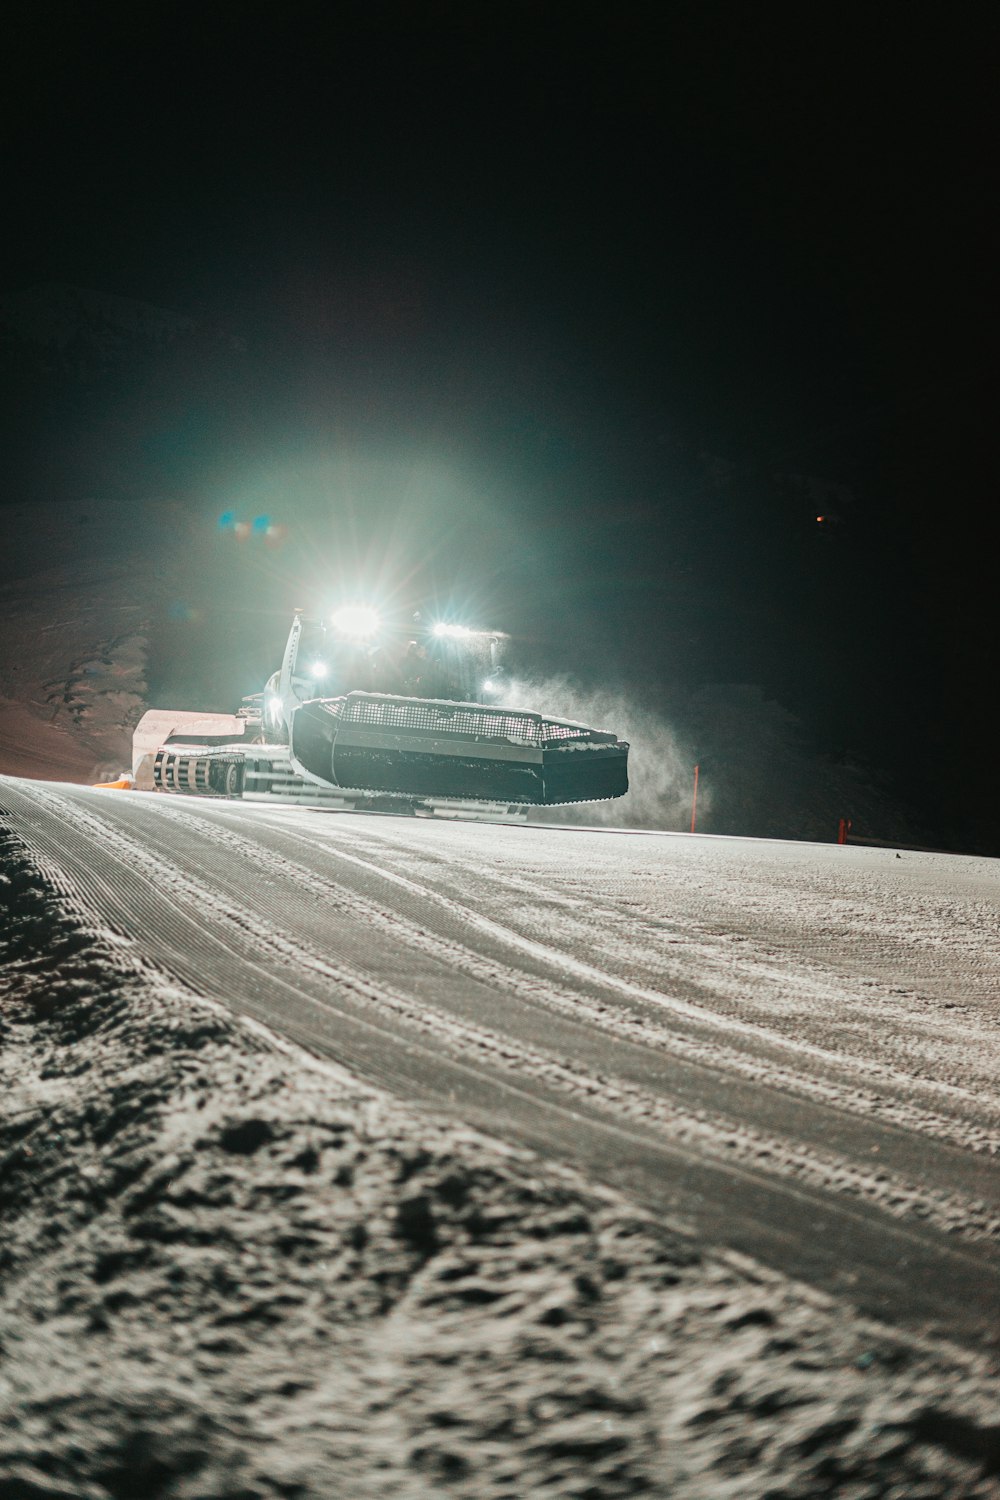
(903, 1270)
(722, 1136)
(971, 1135)
(732, 978)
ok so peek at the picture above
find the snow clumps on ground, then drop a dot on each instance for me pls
(226, 1271)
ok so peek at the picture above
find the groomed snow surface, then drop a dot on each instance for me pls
(229, 1269)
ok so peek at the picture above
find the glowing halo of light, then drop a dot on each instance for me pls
(358, 622)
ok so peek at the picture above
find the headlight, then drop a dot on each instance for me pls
(358, 622)
(318, 669)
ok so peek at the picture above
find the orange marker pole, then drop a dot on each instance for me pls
(694, 800)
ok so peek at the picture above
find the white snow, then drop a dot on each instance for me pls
(229, 1271)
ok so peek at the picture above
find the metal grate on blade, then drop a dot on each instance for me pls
(556, 729)
(438, 718)
(474, 721)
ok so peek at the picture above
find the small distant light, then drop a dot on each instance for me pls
(820, 519)
(318, 669)
(489, 686)
(261, 525)
(227, 520)
(274, 708)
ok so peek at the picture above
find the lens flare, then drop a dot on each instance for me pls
(357, 621)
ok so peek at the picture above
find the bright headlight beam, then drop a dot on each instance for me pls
(443, 628)
(357, 621)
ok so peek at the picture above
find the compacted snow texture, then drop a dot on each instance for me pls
(229, 1271)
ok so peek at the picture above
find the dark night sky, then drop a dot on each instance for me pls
(555, 254)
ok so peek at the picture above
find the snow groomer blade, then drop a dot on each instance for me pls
(433, 748)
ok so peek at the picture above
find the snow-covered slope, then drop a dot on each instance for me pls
(230, 1270)
(770, 1035)
(77, 597)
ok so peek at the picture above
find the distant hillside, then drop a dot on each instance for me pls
(62, 329)
(108, 392)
